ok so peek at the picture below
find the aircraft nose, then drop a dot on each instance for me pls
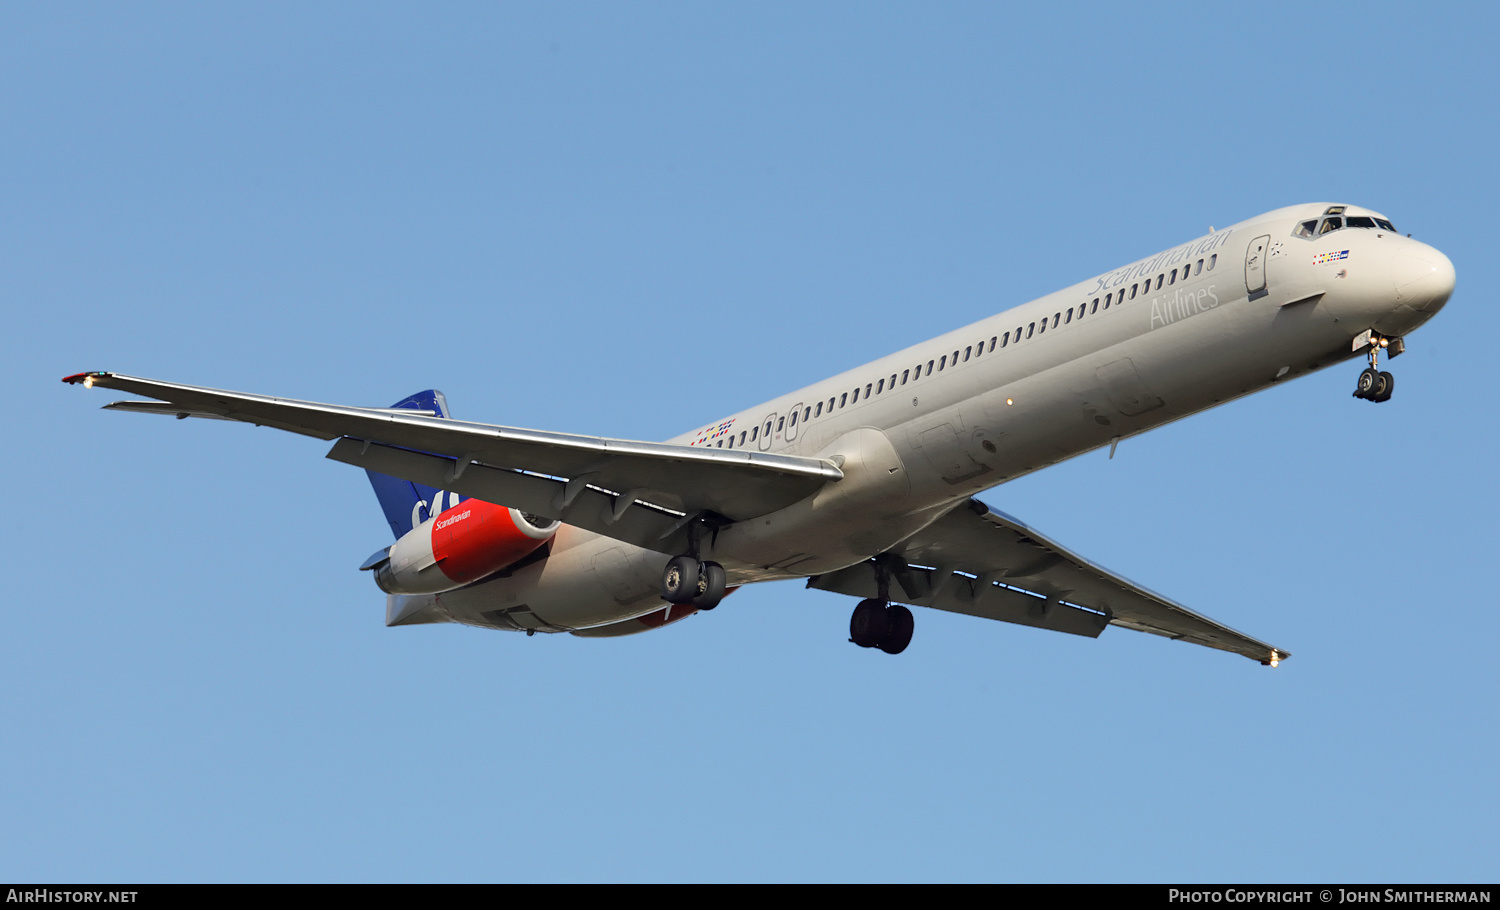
(1424, 279)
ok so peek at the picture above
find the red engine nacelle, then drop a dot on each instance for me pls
(463, 544)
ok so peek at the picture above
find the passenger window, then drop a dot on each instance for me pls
(1042, 328)
(1107, 298)
(721, 443)
(993, 339)
(843, 399)
(929, 368)
(1158, 282)
(1132, 292)
(1198, 269)
(1070, 314)
(1005, 339)
(955, 358)
(830, 405)
(780, 425)
(1213, 261)
(807, 415)
(819, 411)
(855, 397)
(942, 362)
(1056, 318)
(754, 432)
(880, 387)
(868, 386)
(904, 374)
(893, 380)
(966, 354)
(794, 418)
(1030, 329)
(1174, 277)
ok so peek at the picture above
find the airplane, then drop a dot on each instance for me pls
(864, 484)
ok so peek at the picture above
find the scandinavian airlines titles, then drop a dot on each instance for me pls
(1161, 261)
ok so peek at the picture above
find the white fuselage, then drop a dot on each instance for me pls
(1221, 316)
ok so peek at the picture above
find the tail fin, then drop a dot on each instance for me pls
(407, 504)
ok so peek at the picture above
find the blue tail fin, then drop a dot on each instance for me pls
(407, 504)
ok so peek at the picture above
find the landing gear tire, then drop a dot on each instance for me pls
(679, 580)
(869, 624)
(898, 636)
(1384, 388)
(1369, 384)
(875, 625)
(712, 581)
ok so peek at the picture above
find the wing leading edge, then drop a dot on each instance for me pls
(982, 562)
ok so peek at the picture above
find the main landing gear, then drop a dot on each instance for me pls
(877, 623)
(1375, 384)
(691, 581)
(685, 580)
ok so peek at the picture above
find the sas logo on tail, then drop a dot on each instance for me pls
(421, 511)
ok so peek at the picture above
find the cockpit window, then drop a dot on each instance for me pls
(1332, 221)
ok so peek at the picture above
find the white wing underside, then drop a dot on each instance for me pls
(981, 562)
(644, 493)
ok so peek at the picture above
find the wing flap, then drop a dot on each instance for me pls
(737, 484)
(620, 515)
(959, 594)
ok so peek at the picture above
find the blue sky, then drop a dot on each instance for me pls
(631, 220)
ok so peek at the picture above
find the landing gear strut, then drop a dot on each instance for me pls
(877, 623)
(689, 580)
(1375, 384)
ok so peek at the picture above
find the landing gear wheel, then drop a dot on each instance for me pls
(869, 624)
(1384, 387)
(1369, 383)
(898, 635)
(712, 581)
(679, 580)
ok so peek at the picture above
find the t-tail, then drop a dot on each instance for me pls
(405, 503)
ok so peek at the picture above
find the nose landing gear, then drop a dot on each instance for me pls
(1375, 384)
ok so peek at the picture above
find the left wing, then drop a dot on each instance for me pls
(978, 561)
(644, 493)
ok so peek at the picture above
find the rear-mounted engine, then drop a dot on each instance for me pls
(464, 544)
